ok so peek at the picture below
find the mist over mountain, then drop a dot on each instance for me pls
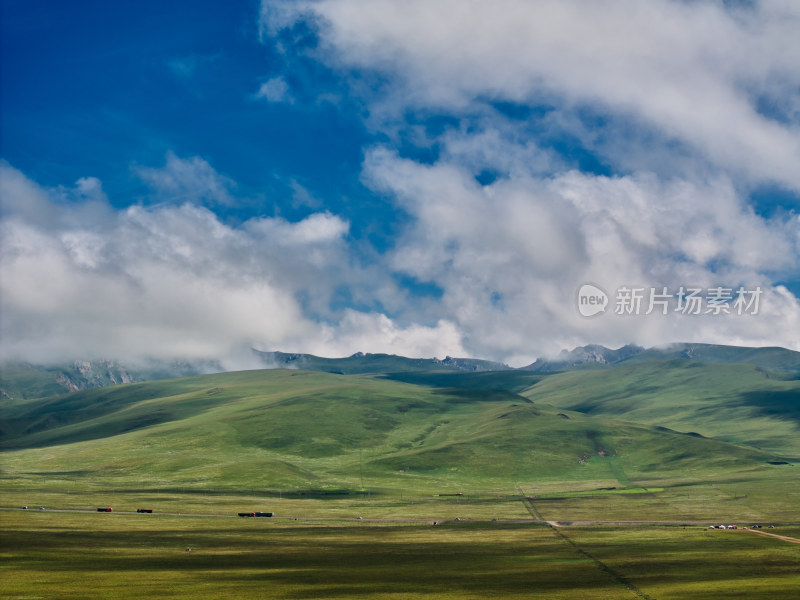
(590, 355)
(19, 380)
(774, 359)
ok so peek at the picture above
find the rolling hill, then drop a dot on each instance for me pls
(22, 381)
(302, 430)
(679, 434)
(741, 404)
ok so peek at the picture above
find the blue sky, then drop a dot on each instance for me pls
(190, 179)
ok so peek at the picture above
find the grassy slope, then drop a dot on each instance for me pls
(737, 403)
(303, 430)
(778, 360)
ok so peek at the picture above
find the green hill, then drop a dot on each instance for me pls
(23, 381)
(776, 360)
(742, 404)
(290, 429)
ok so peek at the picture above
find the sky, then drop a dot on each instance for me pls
(493, 179)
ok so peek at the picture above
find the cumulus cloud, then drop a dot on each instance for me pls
(686, 106)
(173, 281)
(511, 256)
(380, 334)
(698, 73)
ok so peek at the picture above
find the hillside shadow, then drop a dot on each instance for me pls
(510, 381)
(783, 404)
(468, 396)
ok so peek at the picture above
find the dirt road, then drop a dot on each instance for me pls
(785, 538)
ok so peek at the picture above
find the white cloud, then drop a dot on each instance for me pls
(173, 281)
(511, 256)
(695, 73)
(187, 180)
(380, 334)
(274, 90)
(693, 103)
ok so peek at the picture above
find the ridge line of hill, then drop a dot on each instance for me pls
(21, 381)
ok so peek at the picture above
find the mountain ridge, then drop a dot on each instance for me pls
(22, 381)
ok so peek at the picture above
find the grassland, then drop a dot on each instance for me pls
(61, 555)
(356, 469)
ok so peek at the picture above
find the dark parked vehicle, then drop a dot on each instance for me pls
(250, 514)
(264, 514)
(105, 509)
(144, 510)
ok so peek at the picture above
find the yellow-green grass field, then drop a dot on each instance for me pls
(49, 554)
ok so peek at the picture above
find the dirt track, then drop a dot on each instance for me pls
(785, 538)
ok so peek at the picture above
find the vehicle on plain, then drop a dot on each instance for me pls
(263, 514)
(108, 509)
(247, 514)
(144, 510)
(24, 508)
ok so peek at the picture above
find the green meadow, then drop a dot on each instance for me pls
(406, 485)
(63, 555)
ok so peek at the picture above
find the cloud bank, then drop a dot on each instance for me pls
(172, 281)
(684, 109)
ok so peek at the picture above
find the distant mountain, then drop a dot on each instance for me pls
(363, 363)
(774, 359)
(21, 380)
(584, 357)
(779, 361)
